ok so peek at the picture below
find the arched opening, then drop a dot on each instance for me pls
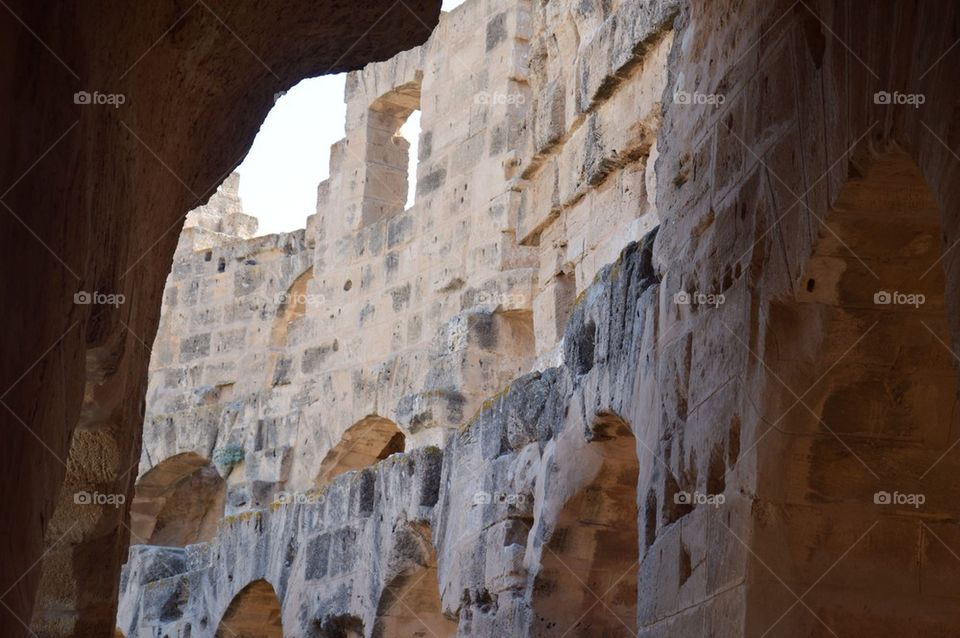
(410, 603)
(862, 408)
(868, 314)
(389, 158)
(587, 583)
(371, 439)
(178, 502)
(253, 613)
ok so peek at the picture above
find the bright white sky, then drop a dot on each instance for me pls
(291, 154)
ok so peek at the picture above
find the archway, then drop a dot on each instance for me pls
(861, 411)
(410, 603)
(387, 182)
(587, 583)
(178, 502)
(371, 439)
(253, 613)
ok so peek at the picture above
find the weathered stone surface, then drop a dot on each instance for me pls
(94, 192)
(335, 552)
(705, 426)
(742, 425)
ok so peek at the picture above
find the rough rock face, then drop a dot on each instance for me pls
(286, 360)
(93, 194)
(744, 425)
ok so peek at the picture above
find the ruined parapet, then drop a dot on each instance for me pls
(278, 345)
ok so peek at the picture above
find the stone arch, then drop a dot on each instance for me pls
(253, 613)
(371, 439)
(178, 502)
(862, 403)
(587, 581)
(410, 603)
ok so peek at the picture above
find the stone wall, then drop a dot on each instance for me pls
(489, 503)
(805, 397)
(279, 345)
(743, 425)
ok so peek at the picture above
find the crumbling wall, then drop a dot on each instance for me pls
(793, 421)
(488, 500)
(274, 347)
(327, 553)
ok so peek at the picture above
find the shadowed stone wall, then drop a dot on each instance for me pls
(118, 118)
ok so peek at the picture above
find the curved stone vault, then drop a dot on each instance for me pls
(94, 189)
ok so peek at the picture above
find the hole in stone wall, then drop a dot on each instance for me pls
(254, 612)
(650, 519)
(393, 123)
(596, 537)
(410, 131)
(371, 439)
(178, 502)
(339, 626)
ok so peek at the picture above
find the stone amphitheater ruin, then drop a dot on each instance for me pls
(665, 346)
